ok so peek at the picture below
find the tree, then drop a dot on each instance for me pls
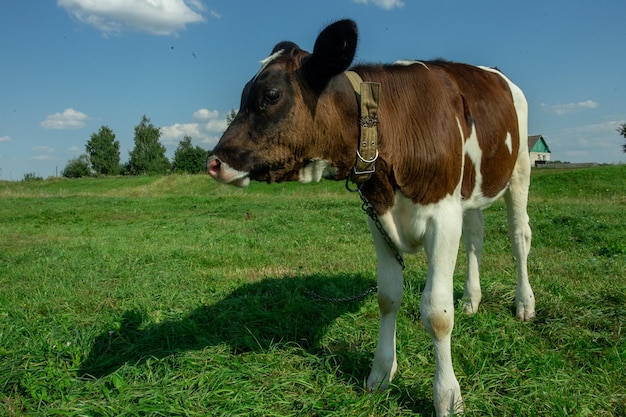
(77, 167)
(148, 155)
(231, 116)
(31, 176)
(189, 159)
(104, 152)
(622, 131)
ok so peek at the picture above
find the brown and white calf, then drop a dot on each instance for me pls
(452, 138)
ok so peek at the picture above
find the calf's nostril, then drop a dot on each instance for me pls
(213, 167)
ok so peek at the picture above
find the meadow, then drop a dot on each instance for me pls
(176, 296)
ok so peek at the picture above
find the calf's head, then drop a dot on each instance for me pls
(276, 132)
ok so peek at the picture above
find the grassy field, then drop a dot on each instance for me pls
(175, 296)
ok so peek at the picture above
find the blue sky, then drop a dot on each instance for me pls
(67, 67)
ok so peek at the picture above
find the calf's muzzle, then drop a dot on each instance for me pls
(213, 165)
(225, 174)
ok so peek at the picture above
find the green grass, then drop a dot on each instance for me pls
(175, 296)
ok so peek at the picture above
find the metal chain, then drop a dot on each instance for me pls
(369, 209)
(345, 299)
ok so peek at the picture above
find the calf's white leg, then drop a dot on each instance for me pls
(437, 305)
(390, 286)
(516, 199)
(473, 234)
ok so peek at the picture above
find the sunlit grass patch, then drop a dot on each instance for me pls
(178, 296)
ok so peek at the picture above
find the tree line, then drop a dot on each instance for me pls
(102, 156)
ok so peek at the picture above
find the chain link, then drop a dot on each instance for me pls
(369, 209)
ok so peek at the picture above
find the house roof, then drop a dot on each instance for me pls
(537, 143)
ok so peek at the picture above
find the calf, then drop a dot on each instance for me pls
(451, 139)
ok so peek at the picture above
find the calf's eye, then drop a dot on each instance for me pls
(271, 96)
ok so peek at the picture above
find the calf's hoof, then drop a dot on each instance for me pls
(526, 311)
(449, 403)
(470, 308)
(526, 315)
(379, 380)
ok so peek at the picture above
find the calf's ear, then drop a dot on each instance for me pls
(332, 54)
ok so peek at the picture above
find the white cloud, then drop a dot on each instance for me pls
(607, 127)
(5, 139)
(197, 4)
(43, 149)
(69, 119)
(383, 4)
(216, 126)
(562, 109)
(171, 135)
(74, 150)
(594, 142)
(205, 115)
(158, 17)
(44, 157)
(44, 153)
(206, 130)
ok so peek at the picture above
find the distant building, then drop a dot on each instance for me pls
(539, 150)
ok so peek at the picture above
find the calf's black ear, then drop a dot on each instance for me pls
(332, 54)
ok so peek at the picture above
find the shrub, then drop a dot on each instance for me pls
(77, 167)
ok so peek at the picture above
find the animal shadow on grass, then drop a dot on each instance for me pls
(272, 312)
